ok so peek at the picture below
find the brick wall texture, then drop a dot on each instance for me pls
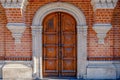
(23, 51)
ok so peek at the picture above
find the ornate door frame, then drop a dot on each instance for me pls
(37, 36)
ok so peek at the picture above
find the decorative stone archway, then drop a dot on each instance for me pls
(81, 36)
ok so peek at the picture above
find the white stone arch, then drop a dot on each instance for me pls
(59, 6)
(81, 35)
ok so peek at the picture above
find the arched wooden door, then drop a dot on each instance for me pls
(59, 45)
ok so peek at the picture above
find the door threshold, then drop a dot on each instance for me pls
(60, 78)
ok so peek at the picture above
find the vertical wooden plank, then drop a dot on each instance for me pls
(50, 46)
(68, 33)
(59, 46)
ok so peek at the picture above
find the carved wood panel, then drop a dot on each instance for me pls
(59, 45)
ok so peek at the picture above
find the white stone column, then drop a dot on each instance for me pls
(79, 34)
(37, 51)
(81, 51)
(40, 53)
(84, 50)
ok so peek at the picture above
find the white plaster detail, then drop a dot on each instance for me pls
(14, 3)
(24, 4)
(81, 36)
(101, 30)
(104, 4)
(17, 30)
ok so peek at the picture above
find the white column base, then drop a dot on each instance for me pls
(16, 72)
(101, 70)
(117, 65)
(1, 66)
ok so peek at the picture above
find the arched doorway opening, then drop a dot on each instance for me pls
(59, 45)
(37, 28)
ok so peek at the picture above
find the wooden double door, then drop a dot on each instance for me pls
(59, 45)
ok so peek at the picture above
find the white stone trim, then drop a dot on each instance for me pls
(16, 62)
(101, 30)
(17, 30)
(104, 4)
(28, 63)
(81, 36)
(100, 62)
(59, 6)
(14, 4)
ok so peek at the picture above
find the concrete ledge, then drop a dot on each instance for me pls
(117, 65)
(101, 71)
(17, 79)
(16, 72)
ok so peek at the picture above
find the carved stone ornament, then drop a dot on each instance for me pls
(104, 4)
(14, 3)
(17, 30)
(101, 30)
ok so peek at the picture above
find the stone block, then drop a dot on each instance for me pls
(16, 72)
(1, 65)
(117, 65)
(101, 71)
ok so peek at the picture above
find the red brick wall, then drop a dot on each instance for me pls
(2, 31)
(14, 15)
(116, 32)
(103, 15)
(94, 49)
(21, 51)
(110, 48)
